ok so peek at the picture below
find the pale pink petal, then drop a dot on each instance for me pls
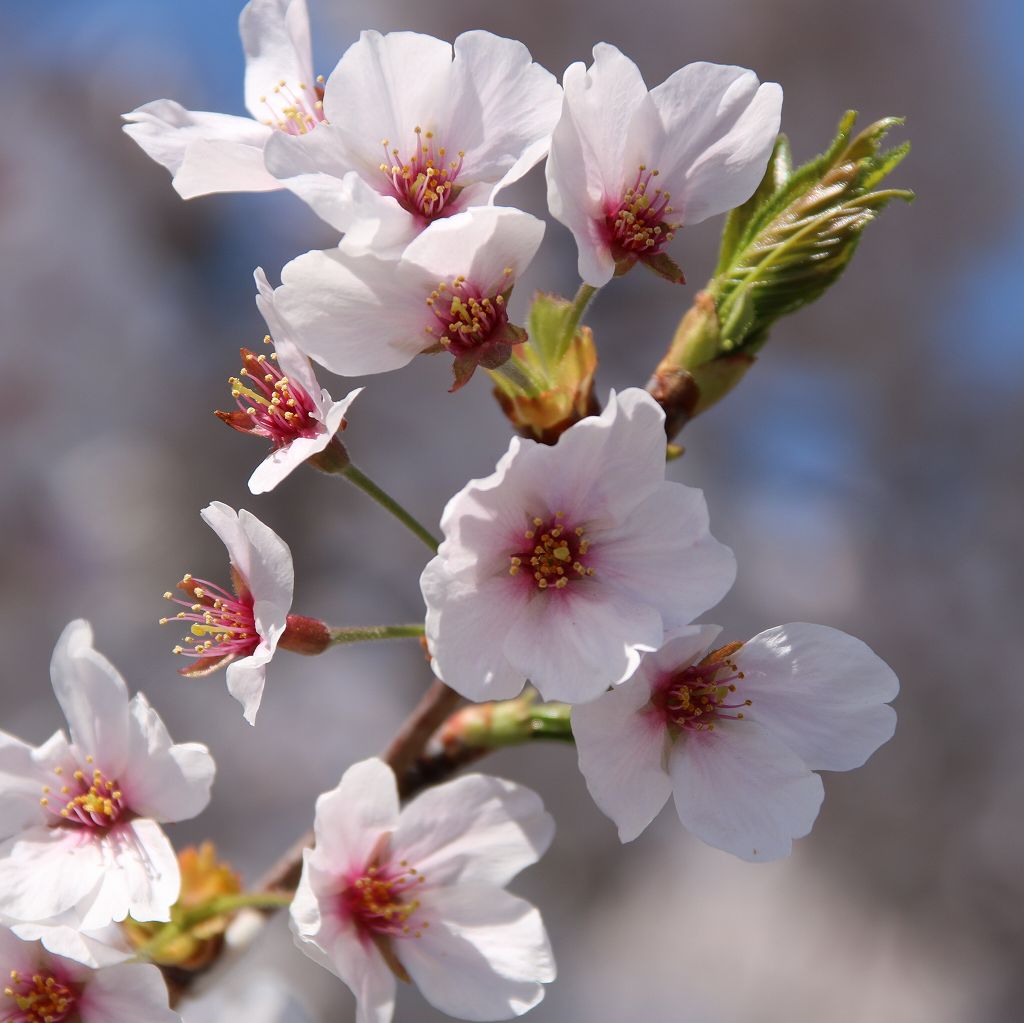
(505, 107)
(93, 696)
(476, 829)
(292, 362)
(682, 647)
(356, 314)
(740, 789)
(205, 152)
(166, 782)
(246, 679)
(275, 37)
(481, 244)
(140, 876)
(95, 949)
(574, 643)
(665, 554)
(485, 955)
(719, 129)
(351, 817)
(623, 755)
(590, 153)
(129, 993)
(21, 784)
(16, 953)
(45, 872)
(271, 577)
(466, 655)
(821, 692)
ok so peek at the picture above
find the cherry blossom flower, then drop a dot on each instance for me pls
(629, 167)
(207, 152)
(39, 987)
(416, 134)
(281, 400)
(420, 894)
(569, 561)
(447, 292)
(240, 629)
(80, 836)
(736, 733)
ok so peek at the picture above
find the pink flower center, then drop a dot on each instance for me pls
(295, 110)
(89, 800)
(277, 408)
(41, 998)
(555, 553)
(638, 224)
(466, 318)
(424, 182)
(694, 697)
(222, 625)
(381, 901)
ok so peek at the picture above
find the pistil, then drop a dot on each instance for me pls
(423, 183)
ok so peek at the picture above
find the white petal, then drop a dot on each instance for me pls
(292, 362)
(385, 86)
(93, 696)
(95, 949)
(474, 829)
(682, 647)
(282, 462)
(271, 576)
(574, 643)
(45, 872)
(21, 782)
(463, 626)
(275, 37)
(246, 679)
(141, 876)
(505, 108)
(16, 953)
(129, 993)
(205, 152)
(664, 554)
(719, 129)
(739, 789)
(586, 168)
(820, 691)
(164, 781)
(622, 752)
(339, 947)
(351, 817)
(485, 955)
(356, 314)
(479, 244)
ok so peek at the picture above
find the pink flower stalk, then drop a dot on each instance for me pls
(39, 987)
(418, 894)
(242, 629)
(735, 734)
(279, 398)
(629, 167)
(80, 837)
(208, 152)
(418, 130)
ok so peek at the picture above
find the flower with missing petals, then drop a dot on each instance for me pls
(207, 152)
(419, 894)
(80, 836)
(735, 734)
(279, 399)
(39, 987)
(417, 132)
(570, 561)
(628, 168)
(447, 292)
(242, 629)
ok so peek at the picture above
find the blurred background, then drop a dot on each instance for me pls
(867, 473)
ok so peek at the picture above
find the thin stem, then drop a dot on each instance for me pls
(361, 633)
(385, 500)
(584, 296)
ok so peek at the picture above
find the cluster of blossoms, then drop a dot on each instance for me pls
(572, 574)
